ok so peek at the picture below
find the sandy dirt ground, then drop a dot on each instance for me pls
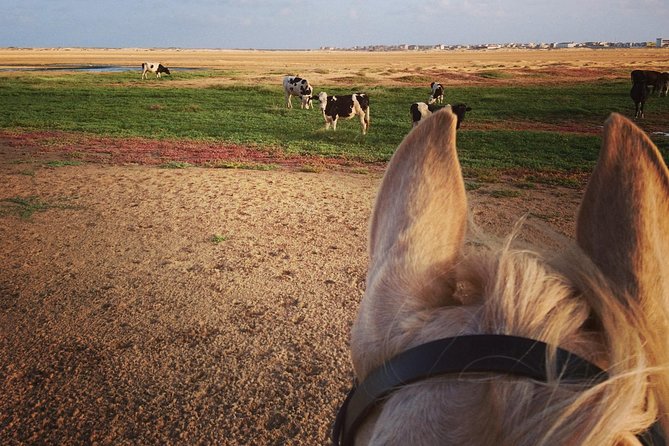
(142, 305)
(122, 320)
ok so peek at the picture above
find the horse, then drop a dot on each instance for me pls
(463, 340)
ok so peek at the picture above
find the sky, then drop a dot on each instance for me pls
(308, 24)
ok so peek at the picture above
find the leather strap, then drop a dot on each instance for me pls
(503, 354)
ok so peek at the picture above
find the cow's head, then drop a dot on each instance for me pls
(305, 89)
(323, 99)
(459, 110)
(306, 101)
(163, 69)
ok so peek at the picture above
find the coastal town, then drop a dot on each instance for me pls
(657, 43)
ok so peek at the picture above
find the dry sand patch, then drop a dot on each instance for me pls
(124, 321)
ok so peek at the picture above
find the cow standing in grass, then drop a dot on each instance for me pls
(297, 86)
(436, 94)
(639, 94)
(344, 106)
(654, 80)
(154, 67)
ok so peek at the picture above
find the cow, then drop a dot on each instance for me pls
(662, 84)
(297, 86)
(437, 94)
(346, 107)
(421, 110)
(639, 94)
(655, 81)
(153, 67)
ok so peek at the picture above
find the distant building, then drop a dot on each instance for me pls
(565, 45)
(662, 43)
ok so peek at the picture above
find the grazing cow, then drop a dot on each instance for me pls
(639, 94)
(462, 339)
(658, 82)
(156, 68)
(297, 86)
(421, 110)
(346, 107)
(663, 89)
(437, 94)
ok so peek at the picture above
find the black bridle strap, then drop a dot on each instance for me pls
(509, 355)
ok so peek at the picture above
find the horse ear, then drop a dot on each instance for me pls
(623, 222)
(419, 219)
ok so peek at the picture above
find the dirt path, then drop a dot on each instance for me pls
(141, 305)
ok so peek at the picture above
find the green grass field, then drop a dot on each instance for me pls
(552, 128)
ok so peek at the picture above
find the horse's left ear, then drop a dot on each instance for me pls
(623, 223)
(419, 219)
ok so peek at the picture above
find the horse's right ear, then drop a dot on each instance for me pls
(419, 219)
(623, 223)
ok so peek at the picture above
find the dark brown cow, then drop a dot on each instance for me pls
(639, 94)
(658, 82)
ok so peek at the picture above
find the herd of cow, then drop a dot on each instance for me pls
(357, 104)
(644, 83)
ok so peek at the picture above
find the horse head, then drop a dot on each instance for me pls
(603, 304)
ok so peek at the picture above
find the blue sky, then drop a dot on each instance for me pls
(294, 24)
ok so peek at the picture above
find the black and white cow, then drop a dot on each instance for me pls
(346, 107)
(658, 82)
(421, 110)
(437, 94)
(297, 86)
(153, 67)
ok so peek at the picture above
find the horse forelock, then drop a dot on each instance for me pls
(556, 299)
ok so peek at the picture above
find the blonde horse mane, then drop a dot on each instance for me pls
(606, 298)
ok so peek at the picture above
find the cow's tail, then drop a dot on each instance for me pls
(367, 119)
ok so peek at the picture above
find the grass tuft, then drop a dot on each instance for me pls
(60, 163)
(175, 165)
(504, 193)
(309, 168)
(25, 207)
(217, 238)
(242, 165)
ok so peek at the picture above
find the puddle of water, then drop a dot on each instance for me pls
(90, 68)
(666, 134)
